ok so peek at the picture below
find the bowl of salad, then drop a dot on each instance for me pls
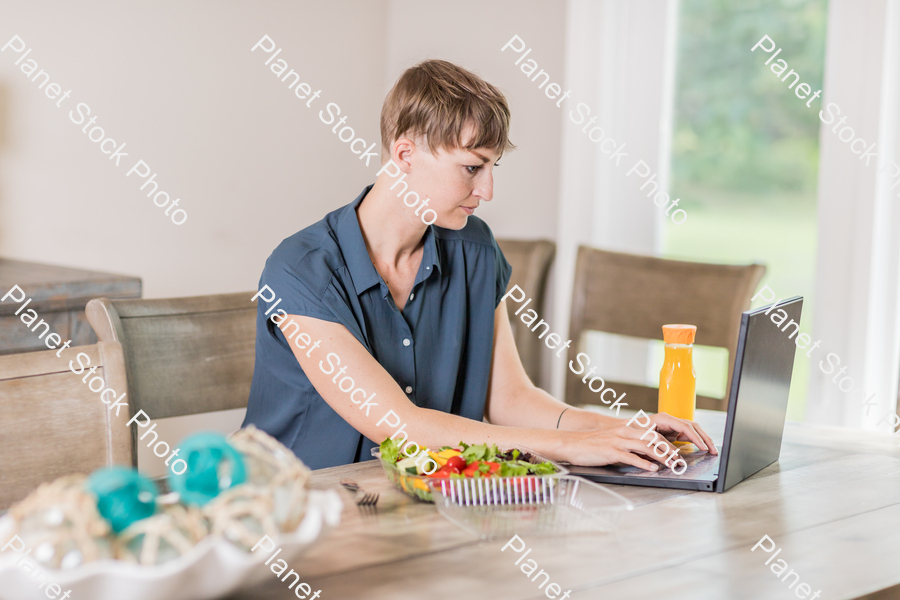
(467, 462)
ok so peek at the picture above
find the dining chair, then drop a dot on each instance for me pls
(53, 423)
(530, 261)
(632, 295)
(183, 356)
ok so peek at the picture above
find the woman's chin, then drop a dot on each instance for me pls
(455, 223)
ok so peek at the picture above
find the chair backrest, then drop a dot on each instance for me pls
(633, 295)
(52, 423)
(530, 262)
(183, 356)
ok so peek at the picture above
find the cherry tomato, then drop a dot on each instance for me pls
(457, 462)
(494, 467)
(444, 472)
(477, 466)
(471, 469)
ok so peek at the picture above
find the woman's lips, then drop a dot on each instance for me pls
(469, 210)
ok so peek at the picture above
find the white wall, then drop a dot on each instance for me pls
(251, 164)
(177, 82)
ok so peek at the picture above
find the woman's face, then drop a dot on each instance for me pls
(454, 181)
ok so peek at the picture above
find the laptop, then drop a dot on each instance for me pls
(754, 425)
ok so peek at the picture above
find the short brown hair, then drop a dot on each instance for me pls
(439, 100)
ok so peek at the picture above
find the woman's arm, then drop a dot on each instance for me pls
(434, 428)
(514, 401)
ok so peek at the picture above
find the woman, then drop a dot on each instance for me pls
(388, 325)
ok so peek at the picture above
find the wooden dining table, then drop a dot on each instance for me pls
(831, 504)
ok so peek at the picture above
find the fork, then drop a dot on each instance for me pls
(366, 499)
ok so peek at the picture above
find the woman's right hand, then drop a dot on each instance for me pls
(622, 444)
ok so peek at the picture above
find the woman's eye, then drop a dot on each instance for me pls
(473, 170)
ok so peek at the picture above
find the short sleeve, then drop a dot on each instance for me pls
(297, 297)
(503, 271)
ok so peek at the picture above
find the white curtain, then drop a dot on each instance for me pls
(620, 59)
(858, 256)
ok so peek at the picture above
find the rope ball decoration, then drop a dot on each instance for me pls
(61, 522)
(240, 490)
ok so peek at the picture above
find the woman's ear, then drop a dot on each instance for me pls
(402, 151)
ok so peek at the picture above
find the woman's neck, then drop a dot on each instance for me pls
(392, 231)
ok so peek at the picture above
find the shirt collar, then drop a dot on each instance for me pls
(431, 257)
(356, 256)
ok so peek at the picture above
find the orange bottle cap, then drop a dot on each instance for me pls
(679, 334)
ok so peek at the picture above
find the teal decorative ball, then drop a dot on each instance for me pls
(213, 466)
(123, 495)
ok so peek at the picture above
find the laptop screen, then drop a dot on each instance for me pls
(757, 404)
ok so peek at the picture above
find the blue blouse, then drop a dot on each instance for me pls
(438, 349)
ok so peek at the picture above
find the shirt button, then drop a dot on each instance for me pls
(406, 342)
(409, 389)
(427, 268)
(411, 296)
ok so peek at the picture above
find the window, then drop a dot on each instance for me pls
(745, 149)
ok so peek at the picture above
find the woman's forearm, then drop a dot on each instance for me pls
(532, 407)
(393, 414)
(516, 402)
(434, 428)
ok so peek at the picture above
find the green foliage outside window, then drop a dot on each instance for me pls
(745, 150)
(738, 126)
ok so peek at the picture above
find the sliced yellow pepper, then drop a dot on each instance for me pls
(436, 457)
(420, 484)
(449, 453)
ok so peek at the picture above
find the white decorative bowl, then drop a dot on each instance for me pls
(211, 569)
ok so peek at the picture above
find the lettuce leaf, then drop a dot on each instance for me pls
(481, 452)
(390, 450)
(477, 452)
(512, 469)
(544, 468)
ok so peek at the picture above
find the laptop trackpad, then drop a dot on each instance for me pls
(700, 465)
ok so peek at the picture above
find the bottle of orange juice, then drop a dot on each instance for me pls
(677, 379)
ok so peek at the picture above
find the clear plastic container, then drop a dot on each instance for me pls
(552, 504)
(417, 485)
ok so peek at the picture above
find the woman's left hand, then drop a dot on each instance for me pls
(687, 431)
